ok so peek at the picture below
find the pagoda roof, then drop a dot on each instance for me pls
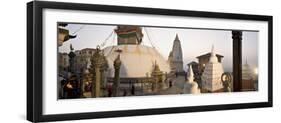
(192, 63)
(209, 55)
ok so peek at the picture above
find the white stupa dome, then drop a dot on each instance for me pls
(191, 87)
(137, 60)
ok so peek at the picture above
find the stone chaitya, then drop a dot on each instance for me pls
(211, 77)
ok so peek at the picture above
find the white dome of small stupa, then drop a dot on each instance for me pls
(190, 87)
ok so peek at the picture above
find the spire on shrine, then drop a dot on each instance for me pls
(191, 87)
(213, 58)
(177, 37)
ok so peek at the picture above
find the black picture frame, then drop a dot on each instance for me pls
(34, 60)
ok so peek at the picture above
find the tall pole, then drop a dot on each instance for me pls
(237, 60)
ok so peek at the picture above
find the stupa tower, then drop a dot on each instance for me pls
(175, 58)
(129, 35)
(190, 87)
(211, 77)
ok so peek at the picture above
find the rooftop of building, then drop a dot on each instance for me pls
(208, 55)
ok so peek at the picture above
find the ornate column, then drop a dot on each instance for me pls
(237, 60)
(97, 62)
(117, 64)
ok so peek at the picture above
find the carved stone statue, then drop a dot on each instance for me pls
(226, 79)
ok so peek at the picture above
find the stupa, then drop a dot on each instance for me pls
(138, 60)
(190, 87)
(211, 77)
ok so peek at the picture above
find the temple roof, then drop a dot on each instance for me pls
(192, 63)
(208, 55)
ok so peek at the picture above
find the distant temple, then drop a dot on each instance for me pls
(247, 78)
(176, 57)
(211, 77)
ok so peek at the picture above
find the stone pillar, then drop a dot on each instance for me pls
(97, 62)
(237, 60)
(117, 64)
(97, 81)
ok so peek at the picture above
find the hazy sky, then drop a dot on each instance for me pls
(194, 42)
